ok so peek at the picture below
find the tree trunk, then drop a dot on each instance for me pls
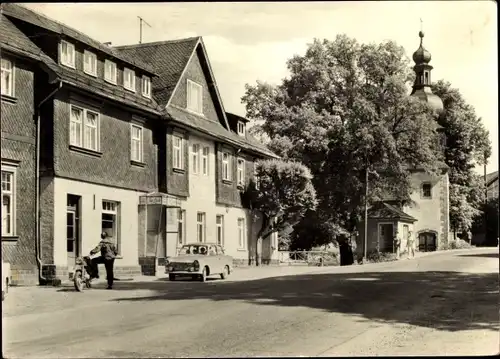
(258, 250)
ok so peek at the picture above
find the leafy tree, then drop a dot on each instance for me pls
(344, 110)
(283, 195)
(467, 145)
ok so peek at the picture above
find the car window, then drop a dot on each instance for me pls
(212, 251)
(220, 250)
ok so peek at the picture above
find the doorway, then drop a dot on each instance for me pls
(385, 237)
(427, 242)
(73, 243)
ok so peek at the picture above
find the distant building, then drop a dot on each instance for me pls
(492, 185)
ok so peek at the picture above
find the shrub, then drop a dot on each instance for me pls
(377, 257)
(457, 244)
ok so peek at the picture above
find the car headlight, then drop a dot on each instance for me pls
(196, 265)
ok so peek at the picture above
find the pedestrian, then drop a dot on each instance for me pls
(411, 244)
(108, 255)
(397, 244)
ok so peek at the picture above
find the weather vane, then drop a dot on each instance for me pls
(421, 25)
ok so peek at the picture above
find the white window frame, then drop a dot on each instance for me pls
(84, 124)
(146, 86)
(241, 128)
(242, 243)
(226, 167)
(219, 225)
(204, 160)
(112, 208)
(63, 58)
(11, 80)
(110, 77)
(12, 194)
(195, 156)
(240, 163)
(201, 221)
(178, 152)
(423, 192)
(129, 79)
(133, 140)
(92, 71)
(181, 223)
(255, 176)
(198, 106)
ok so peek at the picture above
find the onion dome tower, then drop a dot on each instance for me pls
(422, 85)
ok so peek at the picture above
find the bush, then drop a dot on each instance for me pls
(377, 257)
(457, 244)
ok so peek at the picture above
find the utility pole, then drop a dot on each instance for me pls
(141, 20)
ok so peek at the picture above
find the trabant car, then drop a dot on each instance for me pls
(199, 261)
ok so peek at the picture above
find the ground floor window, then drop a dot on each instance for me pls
(181, 233)
(200, 227)
(110, 219)
(219, 221)
(8, 200)
(241, 233)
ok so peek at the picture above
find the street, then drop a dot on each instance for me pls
(444, 303)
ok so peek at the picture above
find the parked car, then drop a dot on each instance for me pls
(199, 261)
(6, 279)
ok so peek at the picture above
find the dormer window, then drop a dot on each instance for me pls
(129, 79)
(67, 54)
(146, 86)
(194, 97)
(241, 128)
(89, 63)
(110, 72)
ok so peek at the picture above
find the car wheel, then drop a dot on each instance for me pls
(203, 276)
(225, 273)
(171, 277)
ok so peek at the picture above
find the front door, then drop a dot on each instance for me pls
(385, 237)
(71, 236)
(427, 242)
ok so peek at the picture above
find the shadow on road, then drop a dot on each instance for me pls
(428, 299)
(484, 255)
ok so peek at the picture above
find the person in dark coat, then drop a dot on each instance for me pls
(108, 254)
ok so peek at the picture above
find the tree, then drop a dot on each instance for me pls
(283, 195)
(344, 110)
(467, 145)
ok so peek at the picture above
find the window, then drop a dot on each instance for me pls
(196, 158)
(219, 222)
(129, 79)
(194, 97)
(7, 85)
(178, 153)
(406, 231)
(67, 54)
(8, 201)
(110, 71)
(146, 86)
(226, 166)
(241, 128)
(426, 190)
(255, 176)
(136, 143)
(241, 172)
(89, 63)
(181, 233)
(89, 120)
(200, 227)
(110, 222)
(204, 161)
(241, 233)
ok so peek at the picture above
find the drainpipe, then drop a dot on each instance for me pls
(38, 242)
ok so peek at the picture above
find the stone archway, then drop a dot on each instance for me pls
(427, 240)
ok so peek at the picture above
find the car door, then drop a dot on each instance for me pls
(223, 257)
(214, 259)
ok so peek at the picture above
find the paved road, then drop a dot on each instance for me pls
(441, 304)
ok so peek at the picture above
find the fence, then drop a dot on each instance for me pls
(309, 258)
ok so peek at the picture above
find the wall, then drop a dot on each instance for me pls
(18, 145)
(111, 165)
(91, 219)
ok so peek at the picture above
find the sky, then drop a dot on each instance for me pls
(249, 41)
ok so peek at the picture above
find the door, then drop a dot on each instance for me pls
(427, 242)
(385, 239)
(71, 236)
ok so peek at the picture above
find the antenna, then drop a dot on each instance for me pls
(421, 24)
(141, 20)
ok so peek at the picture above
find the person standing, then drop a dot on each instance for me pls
(411, 245)
(108, 254)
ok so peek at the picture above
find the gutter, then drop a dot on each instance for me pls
(38, 242)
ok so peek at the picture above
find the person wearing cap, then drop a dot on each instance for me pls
(108, 254)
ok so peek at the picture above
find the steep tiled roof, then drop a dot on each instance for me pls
(29, 16)
(167, 58)
(383, 210)
(490, 177)
(216, 130)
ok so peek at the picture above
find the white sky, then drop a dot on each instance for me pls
(250, 41)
